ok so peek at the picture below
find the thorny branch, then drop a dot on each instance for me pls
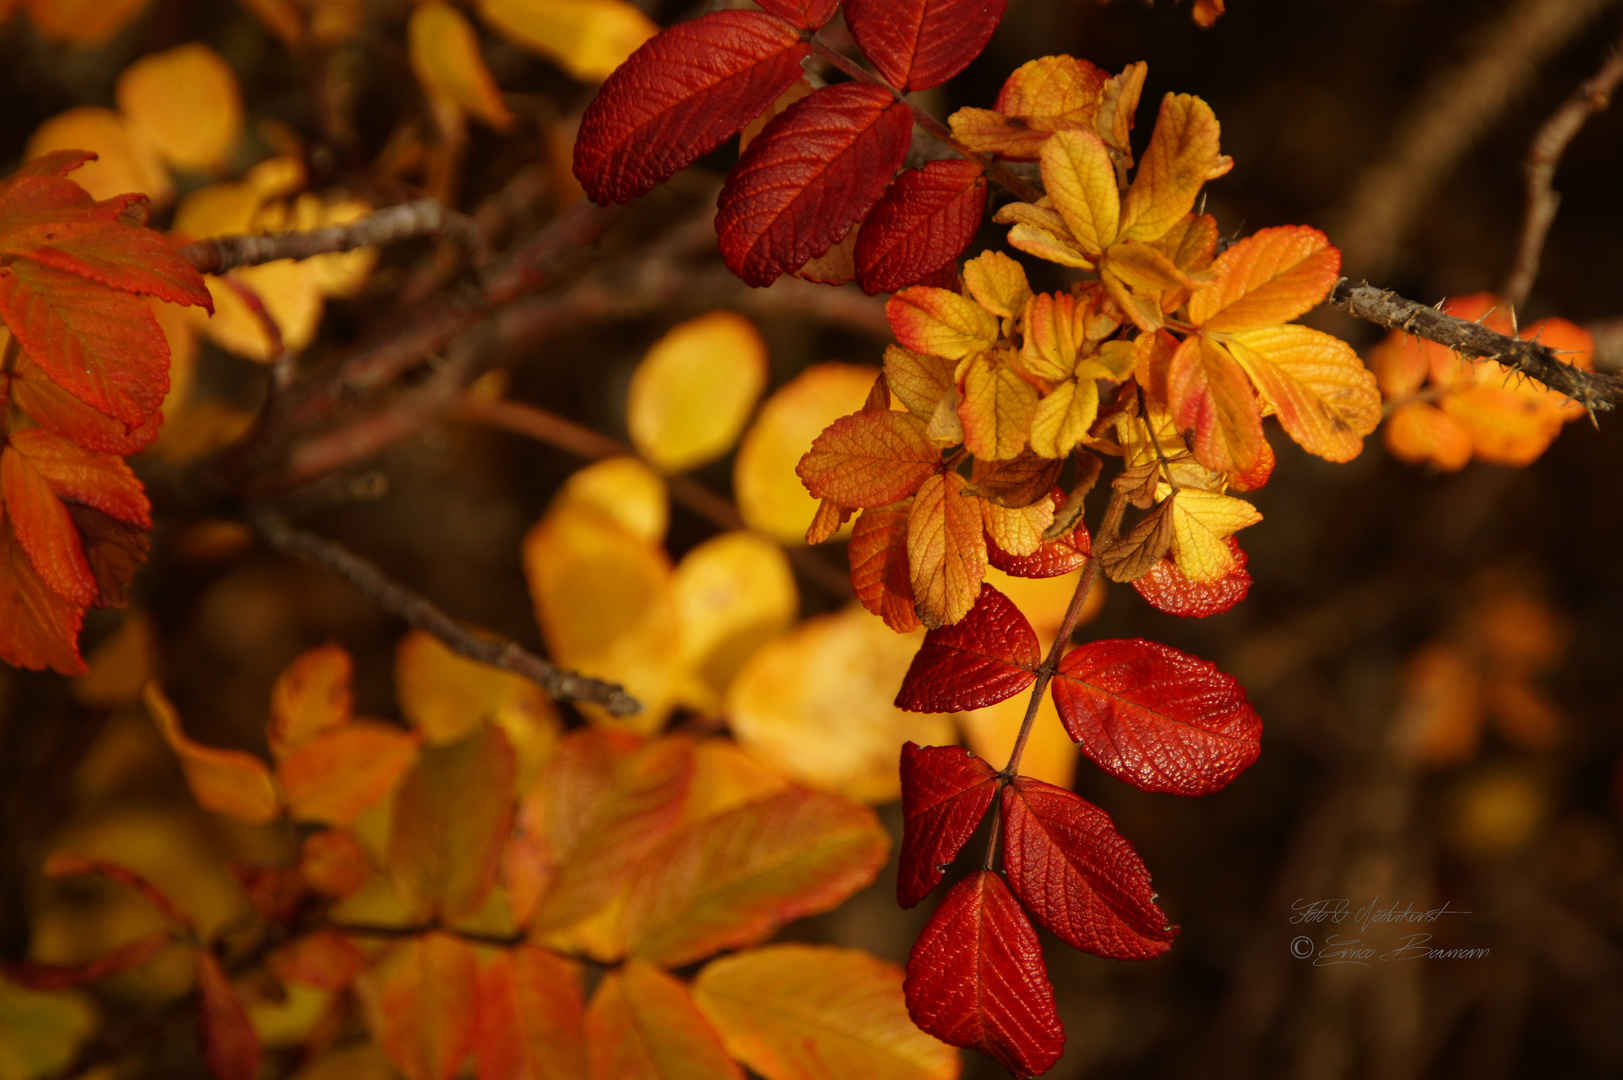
(1595, 391)
(1543, 155)
(421, 217)
(423, 614)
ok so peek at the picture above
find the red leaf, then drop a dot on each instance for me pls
(64, 977)
(97, 480)
(38, 629)
(1079, 877)
(56, 410)
(113, 549)
(810, 175)
(64, 864)
(325, 959)
(1155, 717)
(976, 979)
(917, 44)
(119, 256)
(230, 1044)
(1165, 587)
(103, 347)
(924, 221)
(879, 567)
(945, 793)
(1056, 557)
(988, 655)
(809, 14)
(679, 96)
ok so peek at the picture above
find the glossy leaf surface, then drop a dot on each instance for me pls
(991, 654)
(946, 791)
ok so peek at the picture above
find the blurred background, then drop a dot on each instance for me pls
(1434, 655)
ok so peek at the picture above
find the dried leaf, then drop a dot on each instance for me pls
(1132, 556)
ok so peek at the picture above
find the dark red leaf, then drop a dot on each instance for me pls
(917, 44)
(1079, 877)
(679, 96)
(810, 175)
(924, 221)
(988, 655)
(63, 977)
(68, 865)
(976, 979)
(945, 793)
(1058, 556)
(809, 14)
(1155, 717)
(1165, 587)
(879, 568)
(230, 1044)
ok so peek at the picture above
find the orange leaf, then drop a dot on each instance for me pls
(1181, 157)
(1419, 431)
(1507, 424)
(879, 567)
(58, 411)
(940, 323)
(422, 1004)
(732, 879)
(227, 782)
(451, 817)
(643, 1025)
(532, 1020)
(1055, 93)
(946, 550)
(1324, 396)
(325, 959)
(1208, 393)
(311, 696)
(869, 459)
(230, 1044)
(336, 776)
(333, 862)
(1270, 277)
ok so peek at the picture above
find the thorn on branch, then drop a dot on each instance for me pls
(560, 684)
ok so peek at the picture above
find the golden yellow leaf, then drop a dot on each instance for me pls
(124, 162)
(734, 593)
(1201, 521)
(227, 782)
(624, 490)
(1208, 394)
(946, 550)
(445, 57)
(770, 496)
(587, 38)
(997, 407)
(1044, 244)
(606, 606)
(1018, 531)
(726, 776)
(815, 1012)
(1181, 157)
(81, 22)
(694, 390)
(816, 705)
(1082, 182)
(1063, 417)
(919, 381)
(1324, 396)
(186, 103)
(997, 283)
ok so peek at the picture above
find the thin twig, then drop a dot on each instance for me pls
(1543, 155)
(423, 614)
(555, 430)
(421, 217)
(1594, 390)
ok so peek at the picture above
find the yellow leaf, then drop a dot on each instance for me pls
(185, 101)
(624, 490)
(1208, 394)
(946, 550)
(125, 162)
(997, 408)
(81, 22)
(724, 777)
(1181, 157)
(734, 593)
(1063, 417)
(290, 300)
(941, 323)
(643, 1025)
(1143, 268)
(770, 496)
(815, 1012)
(227, 782)
(1118, 101)
(1322, 393)
(1048, 245)
(446, 59)
(43, 1030)
(997, 283)
(447, 696)
(817, 705)
(606, 607)
(1081, 180)
(1018, 531)
(587, 38)
(920, 382)
(694, 390)
(1053, 327)
(1201, 521)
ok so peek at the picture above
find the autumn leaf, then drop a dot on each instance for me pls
(680, 96)
(990, 655)
(1181, 157)
(230, 1045)
(1270, 277)
(531, 1018)
(1017, 483)
(946, 790)
(946, 550)
(810, 1012)
(445, 57)
(879, 568)
(587, 38)
(1324, 396)
(997, 409)
(941, 323)
(807, 14)
(1081, 181)
(1157, 718)
(643, 1025)
(869, 459)
(53, 977)
(1054, 93)
(1166, 588)
(228, 782)
(311, 696)
(340, 773)
(976, 979)
(421, 1001)
(1052, 558)
(446, 696)
(997, 283)
(694, 390)
(1201, 522)
(185, 102)
(921, 224)
(1208, 393)
(812, 174)
(917, 44)
(325, 959)
(732, 879)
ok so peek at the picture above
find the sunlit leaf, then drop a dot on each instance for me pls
(734, 593)
(185, 101)
(1181, 157)
(227, 782)
(531, 1018)
(587, 38)
(445, 57)
(694, 390)
(946, 550)
(946, 791)
(421, 1004)
(990, 655)
(643, 1025)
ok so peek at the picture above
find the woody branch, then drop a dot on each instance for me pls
(420, 217)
